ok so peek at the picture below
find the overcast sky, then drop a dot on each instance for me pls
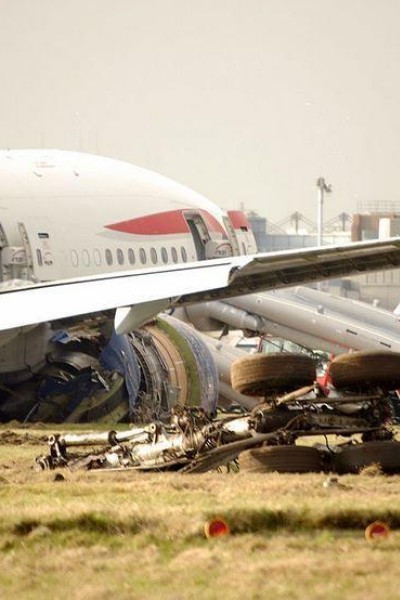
(243, 100)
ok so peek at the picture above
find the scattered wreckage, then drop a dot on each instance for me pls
(358, 406)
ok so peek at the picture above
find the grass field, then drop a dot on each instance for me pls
(129, 535)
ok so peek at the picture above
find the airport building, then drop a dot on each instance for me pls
(376, 221)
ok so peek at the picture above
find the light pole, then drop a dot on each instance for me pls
(323, 188)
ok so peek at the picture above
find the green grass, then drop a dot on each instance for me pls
(135, 535)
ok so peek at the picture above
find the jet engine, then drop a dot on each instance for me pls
(90, 376)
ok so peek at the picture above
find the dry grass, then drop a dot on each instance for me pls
(138, 535)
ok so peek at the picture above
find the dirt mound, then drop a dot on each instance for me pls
(12, 437)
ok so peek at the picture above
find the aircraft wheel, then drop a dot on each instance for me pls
(352, 459)
(283, 459)
(365, 369)
(260, 374)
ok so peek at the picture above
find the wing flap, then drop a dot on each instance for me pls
(286, 269)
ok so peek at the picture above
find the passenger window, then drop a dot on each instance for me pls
(74, 258)
(108, 255)
(164, 255)
(142, 255)
(131, 256)
(86, 258)
(97, 257)
(153, 254)
(184, 254)
(120, 256)
(174, 255)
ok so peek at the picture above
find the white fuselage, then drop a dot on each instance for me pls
(66, 215)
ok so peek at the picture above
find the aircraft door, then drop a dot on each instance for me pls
(199, 233)
(13, 259)
(240, 232)
(38, 245)
(3, 244)
(232, 235)
(27, 250)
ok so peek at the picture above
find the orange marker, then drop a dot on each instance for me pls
(216, 528)
(377, 531)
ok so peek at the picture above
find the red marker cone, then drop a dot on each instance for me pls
(216, 527)
(377, 531)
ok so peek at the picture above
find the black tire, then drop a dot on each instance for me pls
(282, 459)
(354, 458)
(261, 374)
(361, 370)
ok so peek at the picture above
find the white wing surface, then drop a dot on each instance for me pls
(191, 282)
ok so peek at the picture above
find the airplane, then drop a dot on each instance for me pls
(81, 234)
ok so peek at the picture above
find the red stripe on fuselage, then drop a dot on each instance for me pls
(164, 223)
(238, 219)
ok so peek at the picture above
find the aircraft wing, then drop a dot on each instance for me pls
(294, 267)
(149, 291)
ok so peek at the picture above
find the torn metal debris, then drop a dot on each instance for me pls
(194, 441)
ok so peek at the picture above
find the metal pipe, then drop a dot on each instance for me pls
(105, 438)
